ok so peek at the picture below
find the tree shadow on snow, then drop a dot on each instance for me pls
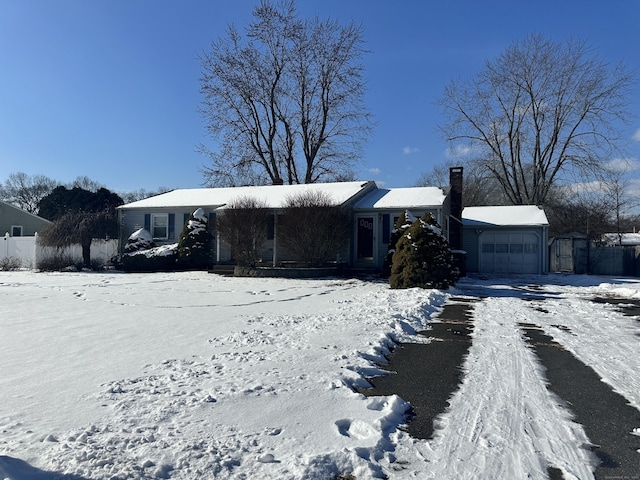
(17, 469)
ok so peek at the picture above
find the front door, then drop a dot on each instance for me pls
(365, 238)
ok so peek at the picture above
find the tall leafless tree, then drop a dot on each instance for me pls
(285, 100)
(538, 111)
(26, 191)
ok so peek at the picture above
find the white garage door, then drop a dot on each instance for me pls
(510, 252)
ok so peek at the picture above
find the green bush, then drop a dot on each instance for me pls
(422, 257)
(194, 246)
(404, 221)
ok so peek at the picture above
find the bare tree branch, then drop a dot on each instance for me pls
(539, 110)
(284, 101)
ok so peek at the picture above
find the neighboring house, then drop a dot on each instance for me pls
(506, 239)
(624, 239)
(19, 223)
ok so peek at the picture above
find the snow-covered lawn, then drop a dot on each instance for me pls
(193, 375)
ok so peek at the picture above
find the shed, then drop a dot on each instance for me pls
(506, 239)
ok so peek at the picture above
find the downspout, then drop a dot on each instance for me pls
(275, 238)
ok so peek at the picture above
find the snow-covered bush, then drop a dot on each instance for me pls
(404, 221)
(139, 240)
(422, 257)
(142, 255)
(157, 259)
(194, 246)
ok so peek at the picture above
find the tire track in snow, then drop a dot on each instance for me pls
(503, 421)
(607, 418)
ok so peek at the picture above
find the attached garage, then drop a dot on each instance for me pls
(506, 239)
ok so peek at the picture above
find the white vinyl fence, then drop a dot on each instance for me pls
(28, 253)
(20, 249)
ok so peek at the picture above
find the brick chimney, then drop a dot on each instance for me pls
(455, 220)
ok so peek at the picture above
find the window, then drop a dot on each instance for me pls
(16, 230)
(386, 228)
(488, 248)
(515, 248)
(502, 248)
(160, 226)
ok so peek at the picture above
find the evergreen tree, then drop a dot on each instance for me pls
(422, 257)
(194, 245)
(404, 221)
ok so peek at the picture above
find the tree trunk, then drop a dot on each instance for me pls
(86, 253)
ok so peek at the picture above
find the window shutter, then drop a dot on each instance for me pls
(185, 219)
(172, 226)
(386, 228)
(147, 222)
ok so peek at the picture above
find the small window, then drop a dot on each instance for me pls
(530, 248)
(488, 248)
(16, 230)
(515, 248)
(386, 228)
(160, 226)
(502, 248)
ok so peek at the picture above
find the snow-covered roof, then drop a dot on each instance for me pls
(412, 197)
(273, 196)
(622, 239)
(515, 215)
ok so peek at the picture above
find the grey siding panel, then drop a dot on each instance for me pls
(133, 220)
(10, 215)
(470, 245)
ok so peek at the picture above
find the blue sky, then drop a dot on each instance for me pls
(110, 90)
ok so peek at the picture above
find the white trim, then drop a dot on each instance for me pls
(21, 230)
(153, 227)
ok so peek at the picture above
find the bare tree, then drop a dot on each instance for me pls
(287, 89)
(78, 227)
(479, 186)
(541, 109)
(244, 227)
(616, 189)
(313, 228)
(333, 121)
(26, 191)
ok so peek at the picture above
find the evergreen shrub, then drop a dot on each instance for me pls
(422, 257)
(194, 245)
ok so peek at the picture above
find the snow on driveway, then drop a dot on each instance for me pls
(191, 375)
